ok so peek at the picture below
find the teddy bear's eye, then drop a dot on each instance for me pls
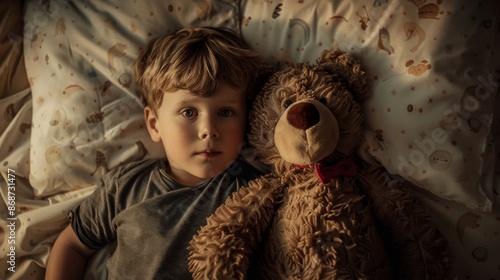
(288, 102)
(323, 100)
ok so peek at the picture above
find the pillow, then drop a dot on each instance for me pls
(87, 118)
(433, 72)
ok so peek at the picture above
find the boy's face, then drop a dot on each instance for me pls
(202, 136)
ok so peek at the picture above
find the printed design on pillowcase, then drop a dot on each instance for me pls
(336, 20)
(105, 88)
(411, 30)
(428, 10)
(53, 154)
(413, 69)
(469, 220)
(440, 160)
(418, 69)
(450, 121)
(100, 163)
(9, 113)
(363, 19)
(277, 11)
(125, 80)
(72, 89)
(480, 254)
(95, 118)
(116, 51)
(59, 118)
(205, 10)
(384, 41)
(60, 27)
(37, 41)
(24, 127)
(468, 104)
(304, 27)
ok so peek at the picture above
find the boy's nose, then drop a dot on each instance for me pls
(209, 134)
(209, 131)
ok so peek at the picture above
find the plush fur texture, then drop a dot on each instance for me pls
(322, 213)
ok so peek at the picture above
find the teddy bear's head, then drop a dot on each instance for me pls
(306, 113)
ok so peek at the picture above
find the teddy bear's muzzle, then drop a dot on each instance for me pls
(301, 132)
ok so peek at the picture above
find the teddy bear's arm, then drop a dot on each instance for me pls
(220, 249)
(421, 249)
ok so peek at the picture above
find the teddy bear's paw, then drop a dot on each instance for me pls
(221, 249)
(217, 260)
(422, 249)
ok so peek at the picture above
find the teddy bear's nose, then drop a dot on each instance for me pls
(303, 115)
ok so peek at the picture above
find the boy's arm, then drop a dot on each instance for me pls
(68, 257)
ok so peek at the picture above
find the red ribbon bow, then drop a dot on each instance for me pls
(327, 171)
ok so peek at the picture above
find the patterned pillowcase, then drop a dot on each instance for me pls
(433, 71)
(87, 118)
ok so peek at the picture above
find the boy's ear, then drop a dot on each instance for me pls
(151, 124)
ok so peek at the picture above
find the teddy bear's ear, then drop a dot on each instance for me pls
(346, 68)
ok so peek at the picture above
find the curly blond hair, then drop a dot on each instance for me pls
(197, 59)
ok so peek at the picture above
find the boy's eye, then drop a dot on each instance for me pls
(225, 113)
(188, 113)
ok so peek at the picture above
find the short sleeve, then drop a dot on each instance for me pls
(92, 220)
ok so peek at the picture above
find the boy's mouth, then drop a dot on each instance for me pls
(209, 153)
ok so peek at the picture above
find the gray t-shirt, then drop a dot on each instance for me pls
(151, 218)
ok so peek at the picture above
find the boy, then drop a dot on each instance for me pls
(196, 84)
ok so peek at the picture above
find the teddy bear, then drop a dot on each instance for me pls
(322, 212)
